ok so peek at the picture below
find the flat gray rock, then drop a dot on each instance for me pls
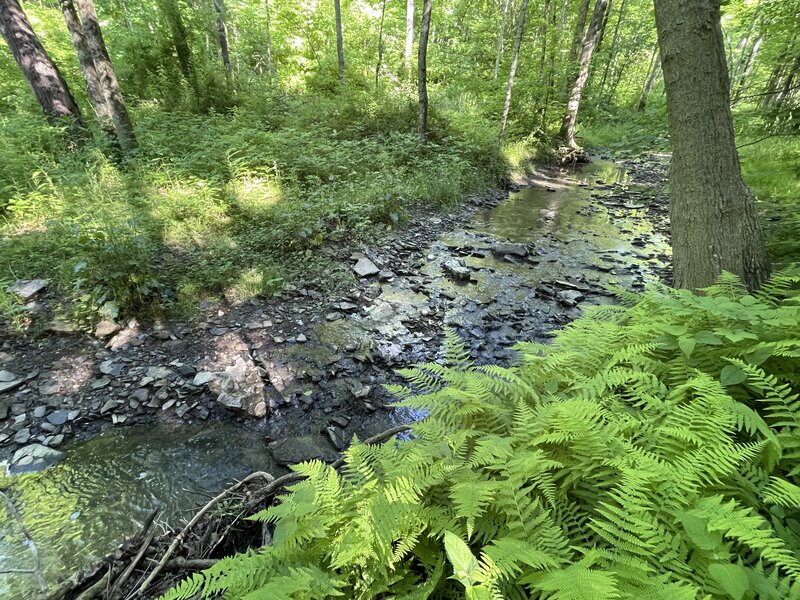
(203, 378)
(34, 457)
(509, 248)
(365, 268)
(7, 386)
(6, 376)
(27, 289)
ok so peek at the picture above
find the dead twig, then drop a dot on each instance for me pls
(148, 532)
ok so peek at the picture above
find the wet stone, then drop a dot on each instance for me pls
(298, 449)
(35, 457)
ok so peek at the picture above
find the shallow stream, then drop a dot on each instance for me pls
(583, 232)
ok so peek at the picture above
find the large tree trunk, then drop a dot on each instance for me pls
(108, 78)
(501, 39)
(422, 70)
(337, 7)
(409, 36)
(571, 116)
(715, 226)
(44, 78)
(180, 40)
(94, 87)
(514, 61)
(649, 81)
(222, 38)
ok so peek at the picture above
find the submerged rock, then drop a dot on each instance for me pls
(34, 457)
(298, 449)
(509, 248)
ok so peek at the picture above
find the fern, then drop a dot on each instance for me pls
(650, 452)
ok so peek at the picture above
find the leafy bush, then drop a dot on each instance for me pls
(649, 452)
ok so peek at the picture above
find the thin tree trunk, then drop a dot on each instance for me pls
(270, 62)
(41, 73)
(714, 222)
(337, 7)
(747, 68)
(380, 46)
(108, 78)
(571, 116)
(180, 40)
(543, 37)
(614, 42)
(422, 70)
(787, 82)
(222, 38)
(513, 70)
(500, 39)
(409, 35)
(94, 87)
(602, 33)
(648, 84)
(577, 39)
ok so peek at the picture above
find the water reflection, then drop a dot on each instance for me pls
(80, 509)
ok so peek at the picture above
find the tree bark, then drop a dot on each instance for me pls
(380, 46)
(571, 116)
(94, 87)
(746, 69)
(409, 35)
(180, 40)
(714, 222)
(422, 71)
(222, 38)
(577, 39)
(514, 61)
(649, 81)
(41, 73)
(602, 32)
(501, 39)
(787, 82)
(613, 48)
(337, 7)
(108, 78)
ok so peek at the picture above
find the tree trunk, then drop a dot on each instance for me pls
(501, 39)
(41, 73)
(337, 7)
(787, 82)
(180, 40)
(747, 68)
(108, 78)
(380, 46)
(222, 38)
(602, 32)
(577, 39)
(714, 222)
(94, 87)
(568, 122)
(422, 71)
(648, 83)
(409, 35)
(543, 37)
(513, 70)
(613, 48)
(270, 62)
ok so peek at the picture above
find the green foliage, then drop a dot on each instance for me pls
(620, 462)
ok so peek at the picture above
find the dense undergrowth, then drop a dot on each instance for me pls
(237, 204)
(649, 453)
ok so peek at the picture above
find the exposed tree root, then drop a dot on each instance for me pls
(570, 156)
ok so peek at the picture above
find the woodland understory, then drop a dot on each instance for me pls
(190, 183)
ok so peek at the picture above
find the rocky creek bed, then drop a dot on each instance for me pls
(140, 417)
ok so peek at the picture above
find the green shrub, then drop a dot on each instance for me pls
(650, 452)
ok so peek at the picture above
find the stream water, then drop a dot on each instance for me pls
(585, 228)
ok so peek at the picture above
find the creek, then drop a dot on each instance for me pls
(514, 272)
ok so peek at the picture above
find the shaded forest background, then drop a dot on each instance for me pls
(259, 146)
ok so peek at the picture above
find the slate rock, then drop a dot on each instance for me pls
(58, 417)
(7, 386)
(106, 328)
(27, 289)
(457, 269)
(365, 268)
(6, 376)
(34, 457)
(509, 248)
(240, 387)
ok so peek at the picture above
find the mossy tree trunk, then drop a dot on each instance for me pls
(41, 73)
(715, 226)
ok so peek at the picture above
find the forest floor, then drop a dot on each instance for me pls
(308, 367)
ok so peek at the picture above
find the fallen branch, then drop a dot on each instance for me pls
(36, 570)
(199, 515)
(766, 137)
(190, 564)
(271, 488)
(148, 532)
